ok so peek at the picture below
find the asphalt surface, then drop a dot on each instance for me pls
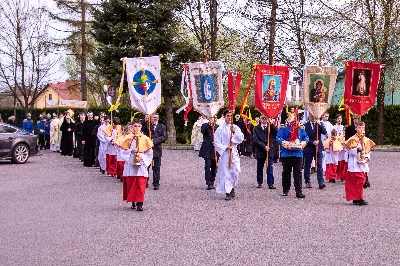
(53, 211)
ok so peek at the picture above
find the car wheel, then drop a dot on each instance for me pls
(20, 153)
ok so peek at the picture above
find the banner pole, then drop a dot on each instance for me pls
(230, 144)
(215, 151)
(266, 160)
(316, 148)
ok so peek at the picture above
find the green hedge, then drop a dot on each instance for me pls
(392, 121)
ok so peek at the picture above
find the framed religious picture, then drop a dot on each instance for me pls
(271, 88)
(207, 88)
(319, 88)
(361, 82)
(111, 91)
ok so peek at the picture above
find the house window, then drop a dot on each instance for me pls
(50, 97)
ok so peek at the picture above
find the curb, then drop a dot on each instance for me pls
(386, 149)
(167, 147)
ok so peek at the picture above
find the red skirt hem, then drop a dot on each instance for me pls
(134, 188)
(111, 164)
(330, 172)
(354, 185)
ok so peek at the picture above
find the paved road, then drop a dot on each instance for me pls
(53, 211)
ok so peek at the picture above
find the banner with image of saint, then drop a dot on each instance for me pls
(206, 84)
(144, 83)
(361, 85)
(319, 84)
(270, 93)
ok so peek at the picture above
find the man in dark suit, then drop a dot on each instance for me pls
(260, 139)
(158, 136)
(310, 151)
(207, 152)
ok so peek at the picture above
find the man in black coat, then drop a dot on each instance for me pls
(158, 136)
(89, 140)
(78, 136)
(260, 139)
(310, 151)
(207, 152)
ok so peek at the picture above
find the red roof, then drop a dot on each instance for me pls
(68, 90)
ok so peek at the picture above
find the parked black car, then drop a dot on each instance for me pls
(16, 144)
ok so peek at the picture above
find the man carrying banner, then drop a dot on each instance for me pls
(207, 152)
(260, 139)
(227, 138)
(310, 151)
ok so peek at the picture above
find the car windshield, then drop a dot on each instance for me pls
(7, 129)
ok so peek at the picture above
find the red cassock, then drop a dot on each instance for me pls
(111, 164)
(133, 188)
(120, 169)
(354, 185)
(331, 171)
(342, 170)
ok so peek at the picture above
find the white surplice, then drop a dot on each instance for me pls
(354, 157)
(55, 134)
(328, 126)
(102, 147)
(227, 177)
(111, 149)
(128, 157)
(340, 132)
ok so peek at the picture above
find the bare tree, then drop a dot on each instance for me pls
(25, 48)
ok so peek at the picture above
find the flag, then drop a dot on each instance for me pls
(270, 88)
(234, 80)
(187, 94)
(319, 84)
(144, 83)
(361, 85)
(206, 85)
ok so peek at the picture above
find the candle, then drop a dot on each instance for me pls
(289, 92)
(297, 92)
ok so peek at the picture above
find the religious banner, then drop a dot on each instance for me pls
(66, 104)
(206, 84)
(270, 88)
(144, 83)
(234, 80)
(186, 93)
(361, 85)
(319, 84)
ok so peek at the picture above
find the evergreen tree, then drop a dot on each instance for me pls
(119, 25)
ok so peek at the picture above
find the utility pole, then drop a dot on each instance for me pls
(272, 31)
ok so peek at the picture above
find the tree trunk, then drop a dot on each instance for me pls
(272, 32)
(83, 52)
(169, 115)
(213, 29)
(380, 105)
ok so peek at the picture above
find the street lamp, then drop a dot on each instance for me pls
(392, 89)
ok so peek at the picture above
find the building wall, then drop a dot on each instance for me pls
(44, 96)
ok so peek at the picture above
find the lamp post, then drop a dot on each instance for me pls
(392, 89)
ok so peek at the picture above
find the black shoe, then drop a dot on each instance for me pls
(332, 181)
(103, 172)
(271, 187)
(285, 193)
(139, 208)
(322, 186)
(259, 186)
(366, 185)
(147, 185)
(232, 193)
(308, 185)
(355, 202)
(209, 187)
(300, 195)
(133, 206)
(156, 188)
(362, 203)
(228, 196)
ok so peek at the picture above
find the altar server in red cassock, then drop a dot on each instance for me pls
(137, 153)
(111, 132)
(333, 147)
(120, 161)
(359, 150)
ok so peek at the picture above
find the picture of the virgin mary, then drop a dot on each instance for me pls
(318, 93)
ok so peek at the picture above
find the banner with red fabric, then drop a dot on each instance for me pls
(234, 79)
(270, 89)
(361, 85)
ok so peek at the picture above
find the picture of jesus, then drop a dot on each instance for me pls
(361, 82)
